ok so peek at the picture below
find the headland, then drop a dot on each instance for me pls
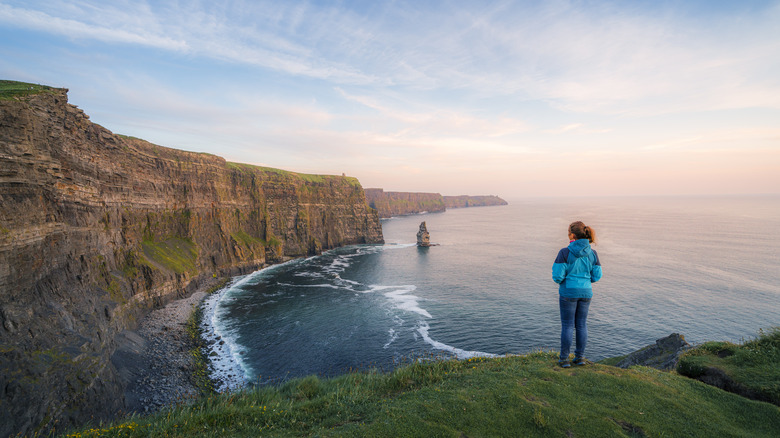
(99, 229)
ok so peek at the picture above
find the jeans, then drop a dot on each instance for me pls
(574, 315)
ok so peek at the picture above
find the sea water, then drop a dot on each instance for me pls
(705, 267)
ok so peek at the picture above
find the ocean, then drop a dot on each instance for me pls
(705, 267)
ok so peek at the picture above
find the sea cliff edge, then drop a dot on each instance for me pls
(98, 229)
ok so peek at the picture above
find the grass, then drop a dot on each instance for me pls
(506, 396)
(13, 89)
(175, 254)
(752, 367)
(612, 361)
(244, 238)
(311, 178)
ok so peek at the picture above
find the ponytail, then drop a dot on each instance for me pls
(582, 231)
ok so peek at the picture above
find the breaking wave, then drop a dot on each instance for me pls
(398, 312)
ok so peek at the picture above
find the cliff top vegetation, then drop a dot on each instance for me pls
(750, 368)
(505, 396)
(286, 174)
(13, 89)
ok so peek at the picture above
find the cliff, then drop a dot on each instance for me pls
(96, 229)
(463, 201)
(390, 204)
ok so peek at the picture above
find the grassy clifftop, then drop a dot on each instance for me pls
(312, 178)
(507, 396)
(12, 89)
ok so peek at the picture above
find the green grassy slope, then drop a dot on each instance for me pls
(508, 396)
(751, 369)
(12, 89)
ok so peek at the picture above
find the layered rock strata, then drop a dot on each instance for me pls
(464, 201)
(96, 229)
(390, 204)
(423, 237)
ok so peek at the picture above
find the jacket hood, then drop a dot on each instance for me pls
(580, 248)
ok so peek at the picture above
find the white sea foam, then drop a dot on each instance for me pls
(401, 298)
(390, 246)
(357, 283)
(326, 285)
(423, 328)
(393, 337)
(339, 264)
(310, 274)
(255, 277)
(227, 367)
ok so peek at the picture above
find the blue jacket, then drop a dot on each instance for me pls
(575, 268)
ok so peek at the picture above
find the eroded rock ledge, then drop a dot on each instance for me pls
(96, 229)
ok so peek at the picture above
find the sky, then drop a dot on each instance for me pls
(510, 98)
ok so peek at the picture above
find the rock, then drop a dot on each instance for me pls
(423, 238)
(389, 204)
(662, 355)
(463, 201)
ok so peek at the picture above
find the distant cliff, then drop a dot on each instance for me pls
(390, 204)
(464, 201)
(96, 229)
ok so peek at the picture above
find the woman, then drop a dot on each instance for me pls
(575, 268)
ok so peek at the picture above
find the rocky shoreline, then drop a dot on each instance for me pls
(156, 361)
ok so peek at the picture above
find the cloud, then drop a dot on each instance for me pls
(39, 21)
(513, 89)
(433, 120)
(584, 58)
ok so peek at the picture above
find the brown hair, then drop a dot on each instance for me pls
(582, 231)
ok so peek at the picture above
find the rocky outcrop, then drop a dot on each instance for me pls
(390, 204)
(423, 237)
(662, 355)
(464, 201)
(96, 229)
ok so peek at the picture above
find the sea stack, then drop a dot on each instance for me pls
(423, 238)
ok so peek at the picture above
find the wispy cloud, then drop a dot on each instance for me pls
(40, 21)
(437, 121)
(577, 57)
(510, 89)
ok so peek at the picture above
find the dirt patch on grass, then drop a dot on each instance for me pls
(719, 379)
(631, 429)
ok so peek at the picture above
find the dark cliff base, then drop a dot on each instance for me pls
(98, 229)
(155, 362)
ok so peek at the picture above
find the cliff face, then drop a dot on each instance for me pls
(463, 201)
(390, 204)
(96, 229)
